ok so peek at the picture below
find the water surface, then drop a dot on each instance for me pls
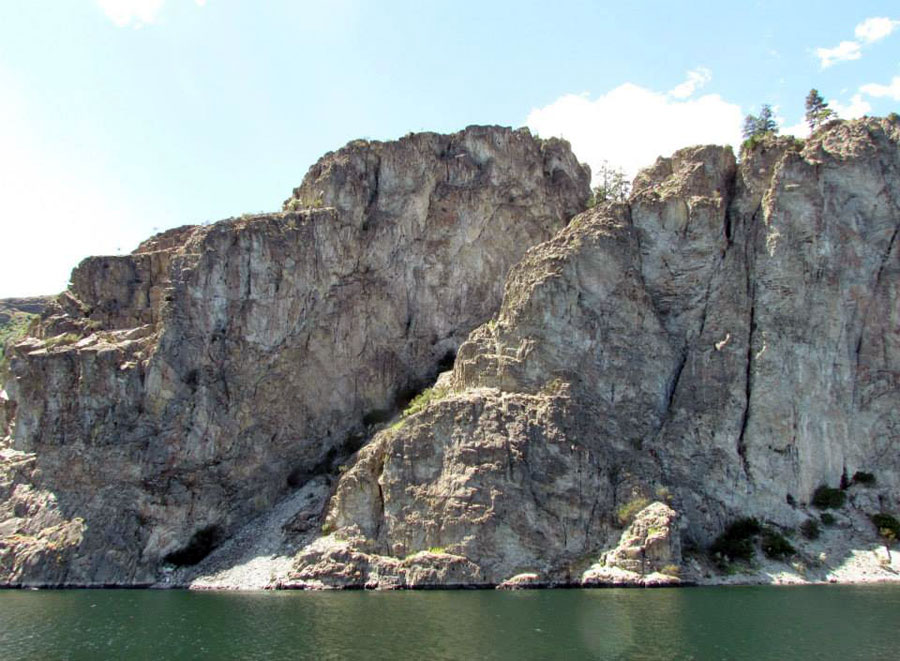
(816, 622)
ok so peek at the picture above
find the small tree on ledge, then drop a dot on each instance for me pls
(612, 185)
(817, 110)
(756, 126)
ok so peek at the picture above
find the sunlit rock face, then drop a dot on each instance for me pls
(172, 394)
(729, 337)
(621, 382)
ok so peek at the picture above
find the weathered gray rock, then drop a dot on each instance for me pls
(174, 393)
(728, 338)
(648, 553)
(731, 334)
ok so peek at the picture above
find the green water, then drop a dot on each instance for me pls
(823, 622)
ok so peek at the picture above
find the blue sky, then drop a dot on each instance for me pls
(119, 118)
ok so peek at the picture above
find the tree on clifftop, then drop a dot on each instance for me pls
(612, 185)
(756, 126)
(817, 110)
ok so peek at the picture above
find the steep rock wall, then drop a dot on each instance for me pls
(173, 393)
(728, 338)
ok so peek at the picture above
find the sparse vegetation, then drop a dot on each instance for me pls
(810, 529)
(61, 340)
(736, 541)
(297, 204)
(613, 185)
(888, 529)
(11, 332)
(817, 110)
(862, 477)
(626, 513)
(423, 399)
(827, 518)
(671, 570)
(885, 521)
(758, 128)
(825, 497)
(775, 545)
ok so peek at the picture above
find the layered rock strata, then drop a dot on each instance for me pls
(717, 347)
(172, 394)
(730, 336)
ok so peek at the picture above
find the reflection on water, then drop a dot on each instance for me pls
(703, 623)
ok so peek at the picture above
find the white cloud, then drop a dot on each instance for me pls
(892, 89)
(798, 130)
(696, 79)
(131, 12)
(873, 29)
(868, 32)
(856, 108)
(630, 126)
(843, 52)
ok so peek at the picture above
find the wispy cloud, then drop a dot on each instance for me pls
(856, 108)
(875, 29)
(843, 52)
(891, 90)
(630, 126)
(696, 78)
(867, 32)
(135, 13)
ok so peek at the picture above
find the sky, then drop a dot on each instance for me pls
(122, 118)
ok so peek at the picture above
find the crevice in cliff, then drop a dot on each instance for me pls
(750, 284)
(748, 386)
(676, 378)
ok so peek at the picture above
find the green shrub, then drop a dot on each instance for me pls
(776, 546)
(827, 518)
(887, 522)
(826, 497)
(423, 399)
(810, 529)
(664, 494)
(736, 542)
(626, 513)
(11, 332)
(861, 477)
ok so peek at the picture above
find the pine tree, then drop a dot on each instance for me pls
(612, 185)
(756, 126)
(767, 120)
(817, 110)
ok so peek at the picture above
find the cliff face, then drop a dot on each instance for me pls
(726, 342)
(174, 393)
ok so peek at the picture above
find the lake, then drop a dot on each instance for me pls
(810, 622)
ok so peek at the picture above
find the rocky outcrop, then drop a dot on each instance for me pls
(648, 553)
(728, 336)
(717, 347)
(172, 394)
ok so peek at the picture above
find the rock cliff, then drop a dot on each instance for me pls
(622, 386)
(174, 393)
